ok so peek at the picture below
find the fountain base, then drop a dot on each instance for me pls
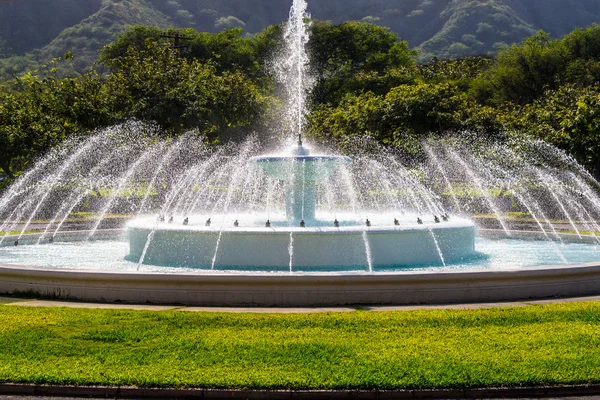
(316, 248)
(103, 280)
(303, 290)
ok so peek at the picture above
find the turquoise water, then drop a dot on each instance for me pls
(496, 254)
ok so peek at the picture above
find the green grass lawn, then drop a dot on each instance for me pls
(549, 344)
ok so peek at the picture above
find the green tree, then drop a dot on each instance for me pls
(28, 125)
(584, 49)
(402, 118)
(584, 43)
(157, 84)
(523, 72)
(567, 118)
(227, 50)
(344, 53)
(113, 54)
(152, 84)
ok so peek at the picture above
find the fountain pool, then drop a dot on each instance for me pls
(126, 216)
(522, 267)
(109, 252)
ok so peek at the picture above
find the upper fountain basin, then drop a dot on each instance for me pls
(300, 167)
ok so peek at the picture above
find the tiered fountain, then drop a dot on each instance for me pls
(232, 226)
(302, 240)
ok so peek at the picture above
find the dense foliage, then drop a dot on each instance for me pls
(367, 84)
(542, 88)
(35, 31)
(149, 83)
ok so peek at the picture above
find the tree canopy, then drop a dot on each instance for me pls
(368, 84)
(344, 54)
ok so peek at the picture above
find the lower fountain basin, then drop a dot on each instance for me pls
(523, 266)
(279, 248)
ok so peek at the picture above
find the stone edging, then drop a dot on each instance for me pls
(306, 290)
(303, 290)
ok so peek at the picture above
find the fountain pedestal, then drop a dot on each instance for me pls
(301, 172)
(300, 201)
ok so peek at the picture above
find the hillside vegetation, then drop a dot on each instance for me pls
(32, 32)
(368, 87)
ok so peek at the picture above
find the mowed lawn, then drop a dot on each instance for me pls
(537, 344)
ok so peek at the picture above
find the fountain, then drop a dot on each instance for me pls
(126, 216)
(299, 239)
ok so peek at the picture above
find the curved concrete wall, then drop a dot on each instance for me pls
(314, 247)
(304, 290)
(286, 289)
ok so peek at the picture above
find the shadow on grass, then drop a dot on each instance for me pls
(5, 298)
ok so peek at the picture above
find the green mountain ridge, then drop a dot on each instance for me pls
(35, 31)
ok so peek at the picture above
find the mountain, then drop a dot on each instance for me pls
(35, 31)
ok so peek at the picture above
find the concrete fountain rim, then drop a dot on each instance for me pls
(120, 233)
(305, 289)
